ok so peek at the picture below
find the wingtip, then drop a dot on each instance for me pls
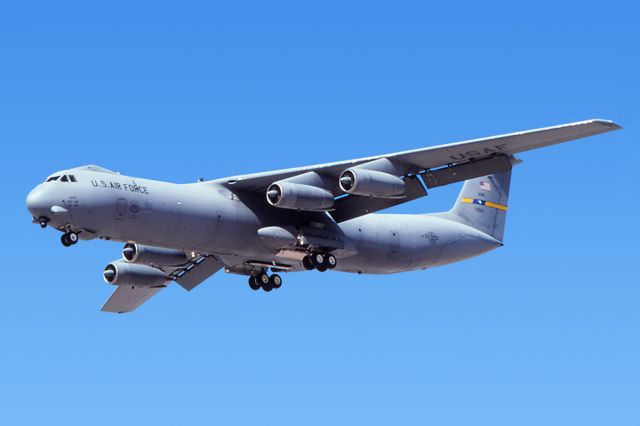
(609, 123)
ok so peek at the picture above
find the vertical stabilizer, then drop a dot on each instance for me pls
(482, 203)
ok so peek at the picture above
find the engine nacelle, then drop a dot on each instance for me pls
(121, 273)
(297, 196)
(371, 183)
(149, 255)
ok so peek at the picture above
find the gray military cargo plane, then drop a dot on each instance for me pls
(317, 217)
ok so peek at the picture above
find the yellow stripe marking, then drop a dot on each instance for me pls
(496, 206)
(484, 203)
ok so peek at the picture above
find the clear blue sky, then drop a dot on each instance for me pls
(545, 330)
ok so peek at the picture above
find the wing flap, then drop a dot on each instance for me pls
(129, 298)
(199, 272)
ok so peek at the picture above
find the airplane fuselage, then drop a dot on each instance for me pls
(205, 217)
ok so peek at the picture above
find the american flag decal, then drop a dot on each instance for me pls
(485, 186)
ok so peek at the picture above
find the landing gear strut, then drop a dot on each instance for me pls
(69, 238)
(265, 282)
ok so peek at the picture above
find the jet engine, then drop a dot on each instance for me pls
(297, 196)
(371, 183)
(149, 255)
(120, 273)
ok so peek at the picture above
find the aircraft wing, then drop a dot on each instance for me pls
(424, 159)
(128, 298)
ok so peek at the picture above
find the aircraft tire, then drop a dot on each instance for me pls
(267, 287)
(262, 279)
(275, 281)
(253, 283)
(307, 263)
(331, 261)
(64, 239)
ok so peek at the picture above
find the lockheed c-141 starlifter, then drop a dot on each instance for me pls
(318, 217)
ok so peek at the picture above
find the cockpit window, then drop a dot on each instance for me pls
(64, 178)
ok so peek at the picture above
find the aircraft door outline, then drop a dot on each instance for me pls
(121, 208)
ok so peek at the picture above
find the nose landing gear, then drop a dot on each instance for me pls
(69, 238)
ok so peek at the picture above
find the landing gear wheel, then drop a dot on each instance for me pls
(43, 222)
(262, 279)
(307, 263)
(331, 261)
(319, 262)
(254, 284)
(69, 239)
(64, 239)
(275, 281)
(267, 287)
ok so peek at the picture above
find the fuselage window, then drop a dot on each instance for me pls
(64, 179)
(52, 178)
(72, 178)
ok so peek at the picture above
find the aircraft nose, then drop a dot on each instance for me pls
(38, 202)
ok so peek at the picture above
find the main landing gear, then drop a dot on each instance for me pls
(265, 282)
(319, 261)
(69, 238)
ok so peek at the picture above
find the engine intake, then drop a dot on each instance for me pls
(297, 196)
(371, 183)
(149, 255)
(120, 273)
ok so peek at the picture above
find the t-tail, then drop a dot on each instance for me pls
(483, 202)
